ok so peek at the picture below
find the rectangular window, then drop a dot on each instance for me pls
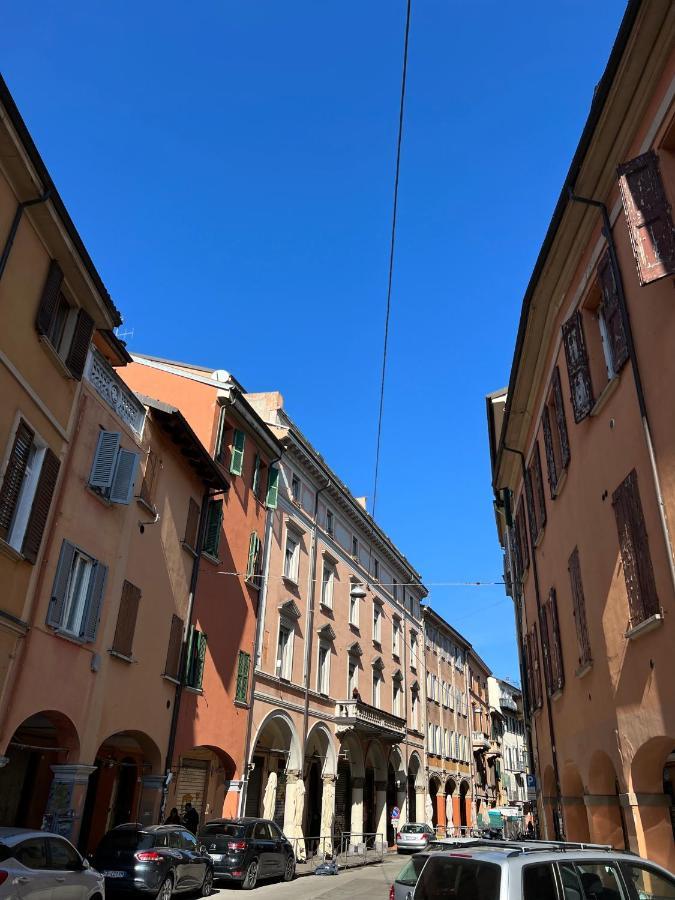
(553, 661)
(220, 436)
(353, 611)
(579, 608)
(172, 664)
(353, 677)
(255, 480)
(413, 650)
(355, 547)
(554, 424)
(296, 489)
(237, 452)
(196, 657)
(638, 571)
(292, 558)
(614, 342)
(377, 621)
(396, 637)
(68, 330)
(272, 498)
(113, 469)
(534, 489)
(377, 681)
(376, 569)
(285, 652)
(394, 589)
(323, 670)
(577, 366)
(536, 668)
(152, 466)
(243, 668)
(254, 564)
(446, 743)
(413, 709)
(126, 619)
(192, 525)
(522, 545)
(77, 593)
(396, 698)
(214, 519)
(330, 524)
(327, 582)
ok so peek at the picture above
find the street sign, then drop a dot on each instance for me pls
(396, 813)
(531, 787)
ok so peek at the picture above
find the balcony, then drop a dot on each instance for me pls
(110, 387)
(495, 748)
(368, 719)
(506, 701)
(480, 740)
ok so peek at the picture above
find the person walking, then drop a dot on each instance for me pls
(173, 818)
(191, 818)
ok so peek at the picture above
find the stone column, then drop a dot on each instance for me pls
(151, 799)
(357, 810)
(327, 815)
(67, 796)
(420, 804)
(381, 813)
(604, 819)
(402, 802)
(293, 813)
(648, 823)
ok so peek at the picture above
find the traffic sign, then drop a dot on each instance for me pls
(396, 813)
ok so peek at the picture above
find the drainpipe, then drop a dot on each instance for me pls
(628, 331)
(557, 819)
(7, 249)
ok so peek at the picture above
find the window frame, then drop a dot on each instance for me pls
(284, 654)
(377, 624)
(292, 567)
(323, 671)
(328, 585)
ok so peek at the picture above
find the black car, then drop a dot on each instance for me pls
(161, 860)
(248, 849)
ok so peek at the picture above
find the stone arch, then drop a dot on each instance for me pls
(436, 797)
(277, 726)
(646, 771)
(319, 774)
(652, 777)
(601, 777)
(352, 753)
(320, 742)
(605, 816)
(451, 791)
(416, 788)
(415, 767)
(574, 807)
(376, 759)
(464, 801)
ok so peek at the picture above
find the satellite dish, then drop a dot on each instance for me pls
(220, 375)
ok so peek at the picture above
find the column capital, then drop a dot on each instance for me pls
(420, 789)
(329, 779)
(75, 773)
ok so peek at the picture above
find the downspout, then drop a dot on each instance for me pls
(558, 819)
(18, 215)
(642, 405)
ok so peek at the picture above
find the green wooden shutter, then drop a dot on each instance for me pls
(237, 458)
(199, 646)
(60, 586)
(255, 482)
(243, 667)
(272, 487)
(189, 655)
(214, 518)
(253, 553)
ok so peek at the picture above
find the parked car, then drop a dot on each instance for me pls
(413, 837)
(161, 860)
(246, 850)
(38, 864)
(512, 871)
(407, 878)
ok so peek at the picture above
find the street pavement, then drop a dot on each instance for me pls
(365, 883)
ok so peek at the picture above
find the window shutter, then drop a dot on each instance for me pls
(550, 455)
(531, 512)
(79, 346)
(60, 586)
(560, 419)
(214, 518)
(242, 677)
(579, 607)
(200, 659)
(536, 669)
(253, 554)
(522, 538)
(557, 668)
(272, 498)
(237, 458)
(527, 656)
(545, 623)
(40, 508)
(648, 214)
(14, 475)
(94, 600)
(152, 466)
(618, 345)
(122, 488)
(192, 525)
(255, 482)
(538, 487)
(577, 366)
(634, 546)
(172, 666)
(103, 466)
(50, 294)
(126, 619)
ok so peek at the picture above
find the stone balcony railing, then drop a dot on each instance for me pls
(108, 385)
(480, 740)
(363, 717)
(507, 701)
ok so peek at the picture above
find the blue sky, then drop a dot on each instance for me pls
(230, 167)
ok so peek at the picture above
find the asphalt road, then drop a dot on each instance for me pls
(366, 883)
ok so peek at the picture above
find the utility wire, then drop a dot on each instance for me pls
(391, 255)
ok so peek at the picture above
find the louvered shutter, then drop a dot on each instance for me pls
(634, 546)
(545, 623)
(220, 436)
(94, 600)
(50, 294)
(550, 454)
(538, 487)
(237, 457)
(192, 525)
(648, 214)
(577, 366)
(560, 419)
(199, 658)
(149, 477)
(126, 619)
(105, 457)
(214, 518)
(579, 606)
(172, 666)
(527, 656)
(272, 498)
(243, 667)
(79, 346)
(255, 482)
(611, 310)
(253, 551)
(60, 586)
(531, 512)
(40, 509)
(122, 488)
(555, 644)
(536, 668)
(14, 475)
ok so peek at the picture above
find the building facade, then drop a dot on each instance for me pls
(486, 745)
(582, 451)
(508, 727)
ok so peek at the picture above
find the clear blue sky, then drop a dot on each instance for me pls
(230, 168)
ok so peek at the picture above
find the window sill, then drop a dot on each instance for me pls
(560, 483)
(193, 690)
(170, 678)
(211, 558)
(644, 627)
(326, 607)
(121, 656)
(377, 645)
(146, 506)
(99, 496)
(605, 394)
(584, 670)
(9, 551)
(289, 580)
(56, 359)
(67, 636)
(189, 549)
(241, 704)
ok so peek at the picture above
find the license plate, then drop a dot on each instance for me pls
(113, 874)
(216, 857)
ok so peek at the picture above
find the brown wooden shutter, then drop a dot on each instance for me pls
(577, 366)
(538, 487)
(531, 511)
(545, 624)
(48, 301)
(172, 667)
(550, 453)
(555, 644)
(536, 669)
(560, 419)
(648, 214)
(527, 654)
(638, 571)
(14, 475)
(618, 345)
(79, 346)
(192, 525)
(579, 605)
(521, 528)
(152, 467)
(40, 508)
(126, 619)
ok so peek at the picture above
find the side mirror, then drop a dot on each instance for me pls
(86, 864)
(202, 848)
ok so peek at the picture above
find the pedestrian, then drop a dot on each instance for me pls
(530, 829)
(356, 695)
(191, 818)
(173, 817)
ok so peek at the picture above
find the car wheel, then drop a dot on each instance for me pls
(166, 889)
(289, 870)
(207, 883)
(251, 876)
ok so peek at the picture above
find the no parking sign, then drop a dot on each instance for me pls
(395, 816)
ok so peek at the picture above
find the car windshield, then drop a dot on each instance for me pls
(413, 829)
(229, 829)
(126, 840)
(411, 871)
(450, 876)
(5, 852)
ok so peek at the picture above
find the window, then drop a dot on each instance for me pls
(377, 620)
(285, 651)
(352, 677)
(253, 565)
(26, 493)
(330, 524)
(534, 491)
(67, 330)
(113, 470)
(152, 466)
(323, 670)
(77, 593)
(243, 668)
(292, 558)
(188, 841)
(353, 611)
(648, 215)
(413, 650)
(172, 664)
(521, 544)
(577, 366)
(237, 452)
(396, 697)
(255, 480)
(649, 884)
(376, 569)
(533, 668)
(377, 681)
(214, 518)
(192, 526)
(614, 343)
(556, 443)
(196, 657)
(327, 582)
(220, 436)
(355, 547)
(126, 619)
(539, 883)
(430, 737)
(32, 853)
(446, 744)
(592, 880)
(414, 705)
(394, 589)
(553, 663)
(296, 490)
(272, 497)
(579, 608)
(396, 637)
(63, 857)
(638, 572)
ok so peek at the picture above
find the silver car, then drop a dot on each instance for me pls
(37, 865)
(414, 837)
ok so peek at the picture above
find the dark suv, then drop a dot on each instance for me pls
(160, 860)
(248, 849)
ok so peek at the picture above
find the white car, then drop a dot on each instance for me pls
(37, 865)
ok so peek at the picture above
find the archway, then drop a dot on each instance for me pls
(652, 773)
(396, 791)
(451, 806)
(605, 815)
(574, 807)
(320, 771)
(416, 789)
(202, 778)
(434, 785)
(276, 759)
(349, 791)
(464, 800)
(375, 794)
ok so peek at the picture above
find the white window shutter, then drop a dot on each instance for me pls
(122, 487)
(94, 598)
(103, 466)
